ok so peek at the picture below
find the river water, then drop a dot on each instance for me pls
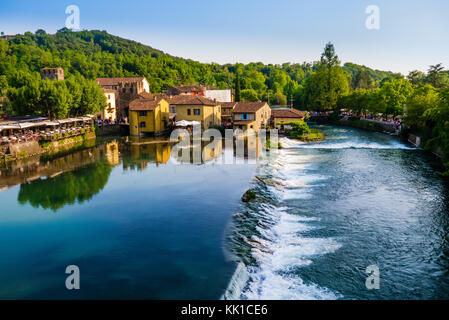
(140, 225)
(333, 208)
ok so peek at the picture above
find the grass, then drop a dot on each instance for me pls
(314, 135)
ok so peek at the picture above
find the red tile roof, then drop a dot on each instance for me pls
(109, 91)
(192, 100)
(149, 96)
(228, 105)
(248, 107)
(116, 81)
(143, 105)
(287, 113)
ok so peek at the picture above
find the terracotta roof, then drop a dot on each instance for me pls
(192, 100)
(116, 81)
(149, 96)
(143, 105)
(249, 107)
(109, 91)
(287, 113)
(228, 105)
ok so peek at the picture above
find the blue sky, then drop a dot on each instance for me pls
(413, 33)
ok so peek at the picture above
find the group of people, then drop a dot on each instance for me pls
(105, 122)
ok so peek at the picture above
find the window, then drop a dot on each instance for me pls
(196, 112)
(143, 124)
(142, 113)
(244, 116)
(188, 112)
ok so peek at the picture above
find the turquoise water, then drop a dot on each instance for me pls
(333, 208)
(135, 223)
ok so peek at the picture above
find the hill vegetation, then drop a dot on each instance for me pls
(92, 54)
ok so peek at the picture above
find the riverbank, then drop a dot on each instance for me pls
(355, 122)
(26, 149)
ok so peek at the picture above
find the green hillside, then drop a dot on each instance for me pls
(93, 54)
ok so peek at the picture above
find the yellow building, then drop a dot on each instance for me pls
(110, 112)
(251, 115)
(148, 115)
(197, 108)
(281, 116)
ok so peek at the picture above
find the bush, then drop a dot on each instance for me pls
(299, 129)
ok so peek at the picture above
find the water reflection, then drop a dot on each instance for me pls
(139, 152)
(76, 186)
(78, 176)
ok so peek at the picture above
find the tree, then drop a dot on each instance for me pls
(249, 95)
(237, 88)
(416, 77)
(316, 87)
(422, 99)
(393, 96)
(54, 99)
(93, 99)
(280, 99)
(434, 75)
(362, 80)
(3, 85)
(329, 82)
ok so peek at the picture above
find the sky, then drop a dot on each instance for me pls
(412, 34)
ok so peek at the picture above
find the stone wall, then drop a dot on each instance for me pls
(30, 148)
(27, 148)
(113, 130)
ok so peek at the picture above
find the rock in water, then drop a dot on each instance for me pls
(249, 196)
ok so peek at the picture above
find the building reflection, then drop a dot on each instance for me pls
(112, 153)
(143, 151)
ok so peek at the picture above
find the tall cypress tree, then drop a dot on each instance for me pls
(237, 88)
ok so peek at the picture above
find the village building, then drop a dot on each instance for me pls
(8, 37)
(281, 116)
(110, 112)
(52, 73)
(251, 115)
(148, 115)
(227, 109)
(197, 108)
(210, 92)
(127, 90)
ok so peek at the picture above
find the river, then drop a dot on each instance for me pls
(142, 226)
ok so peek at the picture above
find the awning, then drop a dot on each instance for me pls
(27, 125)
(51, 123)
(9, 126)
(62, 121)
(185, 123)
